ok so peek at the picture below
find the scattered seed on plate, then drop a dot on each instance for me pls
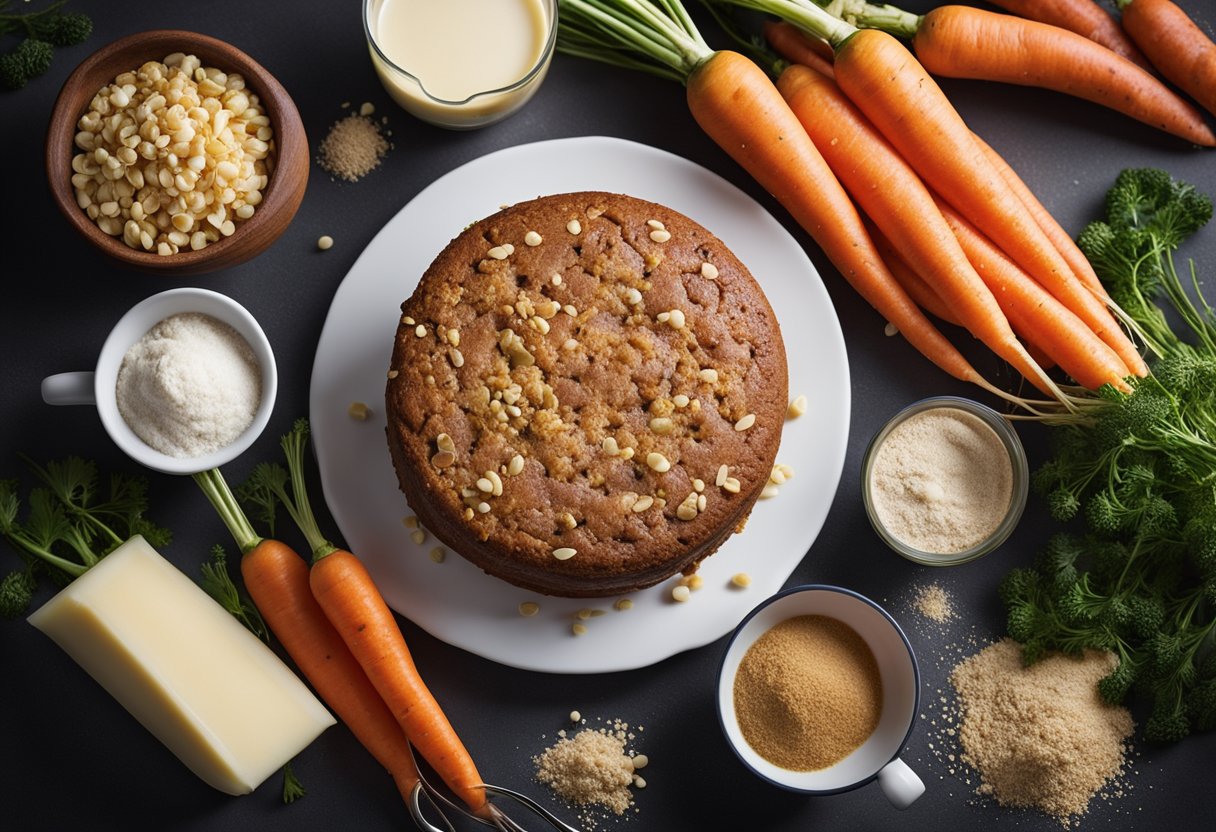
(890, 329)
(741, 579)
(797, 407)
(325, 242)
(578, 628)
(419, 536)
(680, 593)
(622, 604)
(575, 716)
(358, 410)
(529, 608)
(438, 554)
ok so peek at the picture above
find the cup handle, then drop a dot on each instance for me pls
(69, 388)
(900, 784)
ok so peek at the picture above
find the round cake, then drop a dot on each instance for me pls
(586, 394)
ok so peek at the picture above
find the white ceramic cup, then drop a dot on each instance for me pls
(876, 758)
(99, 387)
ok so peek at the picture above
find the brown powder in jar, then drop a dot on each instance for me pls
(591, 768)
(353, 148)
(808, 692)
(1040, 736)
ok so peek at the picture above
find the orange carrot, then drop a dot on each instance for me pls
(923, 294)
(1034, 312)
(738, 106)
(797, 47)
(908, 107)
(891, 194)
(768, 141)
(1018, 51)
(1085, 17)
(966, 42)
(349, 600)
(353, 604)
(278, 581)
(916, 287)
(276, 578)
(1060, 238)
(1177, 47)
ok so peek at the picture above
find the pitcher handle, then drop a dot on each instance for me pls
(69, 388)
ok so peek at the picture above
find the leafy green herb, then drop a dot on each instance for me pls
(42, 32)
(217, 582)
(67, 528)
(293, 789)
(1137, 473)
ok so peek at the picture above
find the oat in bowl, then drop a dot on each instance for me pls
(581, 406)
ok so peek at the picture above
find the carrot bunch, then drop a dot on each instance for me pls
(875, 164)
(354, 645)
(958, 41)
(737, 105)
(1155, 34)
(277, 580)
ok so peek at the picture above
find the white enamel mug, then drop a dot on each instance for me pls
(99, 386)
(876, 758)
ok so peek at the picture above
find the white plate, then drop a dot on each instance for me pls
(453, 600)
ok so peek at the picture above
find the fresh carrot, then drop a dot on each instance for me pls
(965, 42)
(892, 195)
(916, 287)
(790, 42)
(1179, 49)
(349, 596)
(1085, 17)
(1034, 312)
(931, 302)
(904, 102)
(797, 47)
(1060, 238)
(739, 107)
(277, 580)
(345, 592)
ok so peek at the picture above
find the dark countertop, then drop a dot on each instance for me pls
(74, 759)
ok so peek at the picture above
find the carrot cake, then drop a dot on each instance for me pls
(586, 394)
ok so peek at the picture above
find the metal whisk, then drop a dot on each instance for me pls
(497, 819)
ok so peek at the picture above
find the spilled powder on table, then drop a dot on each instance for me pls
(1035, 739)
(934, 603)
(353, 147)
(593, 770)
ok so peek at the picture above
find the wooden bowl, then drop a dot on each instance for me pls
(287, 181)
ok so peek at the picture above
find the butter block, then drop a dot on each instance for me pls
(211, 691)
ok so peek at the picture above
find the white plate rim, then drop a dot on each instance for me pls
(457, 603)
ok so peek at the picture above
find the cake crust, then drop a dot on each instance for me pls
(566, 383)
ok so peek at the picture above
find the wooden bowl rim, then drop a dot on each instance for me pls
(280, 200)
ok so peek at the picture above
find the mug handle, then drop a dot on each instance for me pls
(900, 784)
(69, 388)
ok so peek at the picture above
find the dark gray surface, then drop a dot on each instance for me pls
(72, 758)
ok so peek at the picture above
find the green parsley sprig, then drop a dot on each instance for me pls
(69, 525)
(1137, 473)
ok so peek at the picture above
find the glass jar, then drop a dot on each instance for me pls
(1011, 444)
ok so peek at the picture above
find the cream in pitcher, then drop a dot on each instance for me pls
(460, 63)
